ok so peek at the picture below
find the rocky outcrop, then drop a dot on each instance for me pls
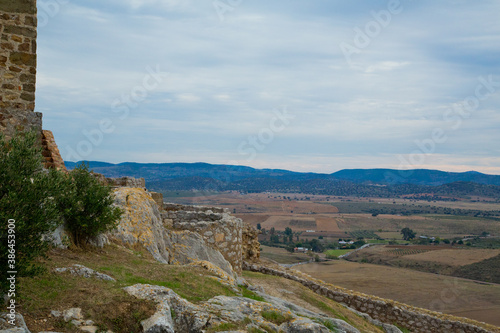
(75, 317)
(218, 228)
(186, 247)
(142, 224)
(86, 272)
(12, 323)
(175, 314)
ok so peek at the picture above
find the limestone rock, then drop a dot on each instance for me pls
(224, 309)
(303, 325)
(142, 224)
(219, 229)
(298, 310)
(20, 326)
(59, 238)
(85, 272)
(187, 247)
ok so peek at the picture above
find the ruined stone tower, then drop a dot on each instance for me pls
(18, 24)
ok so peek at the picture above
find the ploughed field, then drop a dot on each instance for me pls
(476, 264)
(341, 217)
(417, 275)
(457, 296)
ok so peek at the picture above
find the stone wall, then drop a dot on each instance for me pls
(126, 182)
(121, 182)
(250, 243)
(158, 198)
(50, 152)
(217, 227)
(18, 24)
(414, 319)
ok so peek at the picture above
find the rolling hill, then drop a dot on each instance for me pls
(430, 184)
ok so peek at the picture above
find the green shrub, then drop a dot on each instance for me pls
(87, 206)
(27, 195)
(276, 317)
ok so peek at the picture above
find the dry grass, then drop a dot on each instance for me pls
(455, 257)
(275, 212)
(102, 301)
(282, 256)
(440, 293)
(298, 294)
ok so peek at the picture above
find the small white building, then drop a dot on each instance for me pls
(301, 249)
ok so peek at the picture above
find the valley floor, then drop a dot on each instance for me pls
(456, 296)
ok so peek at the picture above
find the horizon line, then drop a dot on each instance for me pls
(320, 173)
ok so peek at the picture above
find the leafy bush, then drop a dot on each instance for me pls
(38, 200)
(87, 206)
(28, 196)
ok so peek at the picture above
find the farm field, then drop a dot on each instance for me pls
(342, 217)
(282, 256)
(479, 264)
(333, 218)
(451, 295)
(445, 254)
(336, 253)
(438, 226)
(455, 257)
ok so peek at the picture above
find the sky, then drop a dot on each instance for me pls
(319, 85)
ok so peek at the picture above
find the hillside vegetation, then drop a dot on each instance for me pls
(386, 183)
(111, 308)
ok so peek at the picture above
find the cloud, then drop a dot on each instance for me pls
(222, 79)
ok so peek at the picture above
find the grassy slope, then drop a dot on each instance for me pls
(111, 308)
(105, 302)
(300, 295)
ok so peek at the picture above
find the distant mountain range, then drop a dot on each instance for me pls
(362, 182)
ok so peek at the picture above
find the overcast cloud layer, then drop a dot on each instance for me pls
(316, 85)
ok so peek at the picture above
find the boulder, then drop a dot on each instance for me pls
(187, 246)
(140, 223)
(6, 327)
(85, 272)
(303, 325)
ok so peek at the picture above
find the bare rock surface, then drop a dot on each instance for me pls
(6, 327)
(142, 224)
(86, 272)
(175, 314)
